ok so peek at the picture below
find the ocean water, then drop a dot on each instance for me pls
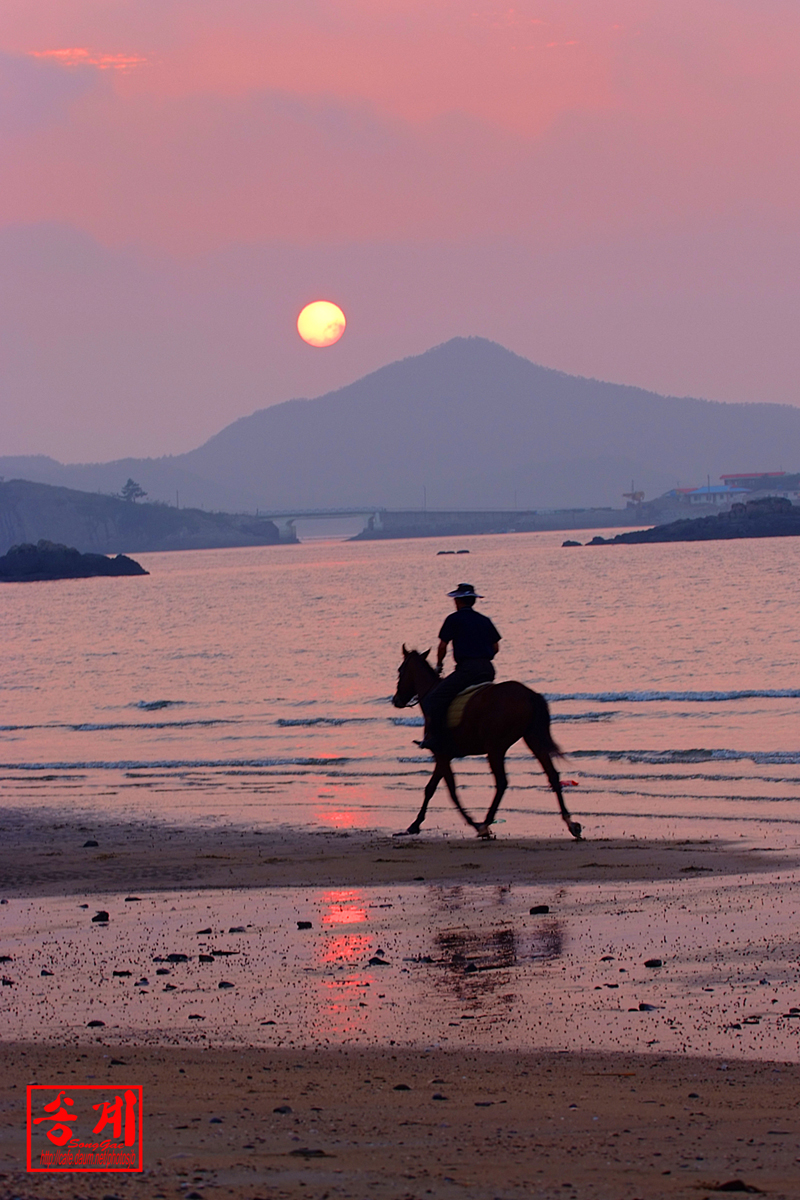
(253, 686)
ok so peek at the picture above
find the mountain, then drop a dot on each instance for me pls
(468, 424)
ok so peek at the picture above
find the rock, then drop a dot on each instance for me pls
(130, 899)
(378, 962)
(283, 1109)
(598, 541)
(90, 843)
(224, 984)
(95, 1024)
(196, 1017)
(306, 1153)
(539, 910)
(402, 1087)
(737, 1185)
(200, 932)
(771, 516)
(653, 962)
(27, 563)
(303, 924)
(648, 1007)
(438, 1096)
(569, 542)
(206, 958)
(44, 971)
(121, 974)
(101, 918)
(237, 929)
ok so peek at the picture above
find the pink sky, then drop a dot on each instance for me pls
(610, 188)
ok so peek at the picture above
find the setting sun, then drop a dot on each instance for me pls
(321, 323)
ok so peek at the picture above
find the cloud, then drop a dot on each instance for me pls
(36, 94)
(80, 56)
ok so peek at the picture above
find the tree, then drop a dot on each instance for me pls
(132, 491)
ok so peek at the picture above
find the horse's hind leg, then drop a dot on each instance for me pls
(430, 788)
(497, 763)
(555, 783)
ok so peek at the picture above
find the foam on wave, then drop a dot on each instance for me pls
(644, 697)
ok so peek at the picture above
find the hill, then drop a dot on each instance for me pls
(468, 424)
(30, 512)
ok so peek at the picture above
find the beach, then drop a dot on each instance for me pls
(436, 1086)
(612, 1127)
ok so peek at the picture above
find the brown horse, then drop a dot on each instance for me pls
(494, 719)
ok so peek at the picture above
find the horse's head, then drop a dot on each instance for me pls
(408, 676)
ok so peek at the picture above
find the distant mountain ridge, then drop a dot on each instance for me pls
(467, 424)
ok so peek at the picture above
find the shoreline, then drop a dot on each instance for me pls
(44, 854)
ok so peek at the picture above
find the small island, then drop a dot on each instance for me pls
(27, 563)
(770, 516)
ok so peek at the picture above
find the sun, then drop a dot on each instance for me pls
(321, 323)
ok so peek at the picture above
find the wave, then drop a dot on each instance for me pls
(151, 705)
(173, 764)
(101, 727)
(289, 721)
(657, 757)
(584, 716)
(645, 697)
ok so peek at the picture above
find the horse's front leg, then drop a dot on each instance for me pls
(430, 788)
(497, 763)
(445, 766)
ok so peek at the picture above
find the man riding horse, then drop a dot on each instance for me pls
(475, 643)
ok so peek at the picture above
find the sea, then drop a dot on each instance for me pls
(252, 687)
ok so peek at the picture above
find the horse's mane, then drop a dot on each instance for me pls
(422, 659)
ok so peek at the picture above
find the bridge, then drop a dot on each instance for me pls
(383, 523)
(285, 518)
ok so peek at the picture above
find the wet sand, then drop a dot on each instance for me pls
(44, 854)
(607, 1127)
(366, 1121)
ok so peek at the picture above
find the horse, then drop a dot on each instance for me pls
(495, 717)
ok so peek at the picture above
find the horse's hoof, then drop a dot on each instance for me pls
(412, 829)
(484, 832)
(576, 829)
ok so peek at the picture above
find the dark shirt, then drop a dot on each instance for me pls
(473, 635)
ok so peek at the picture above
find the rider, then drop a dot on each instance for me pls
(475, 643)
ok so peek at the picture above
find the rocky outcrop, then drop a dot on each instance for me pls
(49, 560)
(771, 516)
(108, 525)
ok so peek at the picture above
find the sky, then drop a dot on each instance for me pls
(608, 187)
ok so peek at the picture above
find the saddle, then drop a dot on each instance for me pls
(455, 712)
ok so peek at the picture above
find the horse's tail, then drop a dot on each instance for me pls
(538, 734)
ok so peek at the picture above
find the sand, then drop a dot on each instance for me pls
(44, 854)
(611, 1127)
(371, 1121)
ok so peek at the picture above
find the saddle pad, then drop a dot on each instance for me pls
(456, 710)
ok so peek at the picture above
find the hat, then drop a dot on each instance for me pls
(465, 591)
